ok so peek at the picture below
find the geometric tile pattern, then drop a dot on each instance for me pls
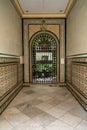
(79, 77)
(76, 76)
(10, 77)
(33, 109)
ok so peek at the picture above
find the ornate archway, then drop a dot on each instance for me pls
(44, 53)
(30, 26)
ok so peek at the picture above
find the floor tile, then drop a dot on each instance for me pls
(79, 111)
(10, 111)
(82, 125)
(14, 116)
(4, 124)
(44, 108)
(20, 99)
(56, 112)
(44, 97)
(64, 105)
(58, 125)
(29, 92)
(35, 102)
(71, 119)
(54, 102)
(23, 106)
(44, 119)
(28, 125)
(31, 111)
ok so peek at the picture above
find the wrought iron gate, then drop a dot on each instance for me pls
(44, 59)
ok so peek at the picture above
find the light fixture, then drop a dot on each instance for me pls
(43, 25)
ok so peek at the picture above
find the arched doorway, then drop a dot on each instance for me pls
(44, 53)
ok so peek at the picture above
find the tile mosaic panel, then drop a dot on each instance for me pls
(76, 76)
(10, 78)
(79, 77)
(76, 73)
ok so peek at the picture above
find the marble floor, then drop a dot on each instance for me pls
(44, 108)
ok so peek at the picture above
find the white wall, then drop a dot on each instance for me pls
(77, 29)
(10, 29)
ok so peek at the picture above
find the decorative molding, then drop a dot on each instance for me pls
(77, 95)
(17, 7)
(82, 55)
(3, 55)
(69, 7)
(6, 101)
(57, 15)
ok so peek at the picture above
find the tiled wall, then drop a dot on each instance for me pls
(10, 79)
(76, 78)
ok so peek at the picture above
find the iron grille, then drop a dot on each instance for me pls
(44, 59)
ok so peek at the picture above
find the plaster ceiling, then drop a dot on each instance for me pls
(43, 8)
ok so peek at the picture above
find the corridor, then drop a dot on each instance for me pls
(43, 42)
(46, 107)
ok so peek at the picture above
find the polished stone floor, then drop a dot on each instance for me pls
(44, 108)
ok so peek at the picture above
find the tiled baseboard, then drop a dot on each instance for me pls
(82, 100)
(7, 99)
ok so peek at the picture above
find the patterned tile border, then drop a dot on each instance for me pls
(5, 102)
(10, 78)
(77, 95)
(76, 78)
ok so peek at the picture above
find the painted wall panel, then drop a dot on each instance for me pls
(35, 28)
(10, 29)
(77, 29)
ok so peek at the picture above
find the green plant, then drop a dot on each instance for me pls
(44, 68)
(39, 68)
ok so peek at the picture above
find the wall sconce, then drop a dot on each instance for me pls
(43, 25)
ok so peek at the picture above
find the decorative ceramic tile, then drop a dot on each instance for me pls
(76, 75)
(10, 77)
